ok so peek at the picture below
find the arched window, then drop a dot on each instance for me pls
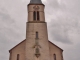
(54, 56)
(37, 15)
(36, 35)
(18, 56)
(34, 15)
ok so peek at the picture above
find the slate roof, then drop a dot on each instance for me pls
(35, 2)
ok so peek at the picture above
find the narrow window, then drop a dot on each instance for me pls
(54, 56)
(17, 56)
(37, 15)
(34, 15)
(36, 35)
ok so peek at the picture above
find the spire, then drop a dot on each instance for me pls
(35, 2)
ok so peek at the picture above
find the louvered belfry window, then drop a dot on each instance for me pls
(36, 16)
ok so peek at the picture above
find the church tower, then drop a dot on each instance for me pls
(36, 46)
(36, 35)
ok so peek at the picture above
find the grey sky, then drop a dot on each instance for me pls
(63, 19)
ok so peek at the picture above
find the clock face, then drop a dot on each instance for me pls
(36, 7)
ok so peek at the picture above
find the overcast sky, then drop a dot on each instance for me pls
(62, 17)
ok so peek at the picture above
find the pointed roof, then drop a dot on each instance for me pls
(35, 2)
(25, 41)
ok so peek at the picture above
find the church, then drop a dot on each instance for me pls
(36, 45)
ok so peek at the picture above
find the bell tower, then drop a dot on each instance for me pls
(37, 46)
(36, 11)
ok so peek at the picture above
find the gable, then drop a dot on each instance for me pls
(25, 40)
(17, 45)
(55, 45)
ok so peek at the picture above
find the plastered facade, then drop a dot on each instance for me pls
(20, 49)
(55, 50)
(41, 28)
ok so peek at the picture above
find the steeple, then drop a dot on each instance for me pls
(35, 2)
(36, 11)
